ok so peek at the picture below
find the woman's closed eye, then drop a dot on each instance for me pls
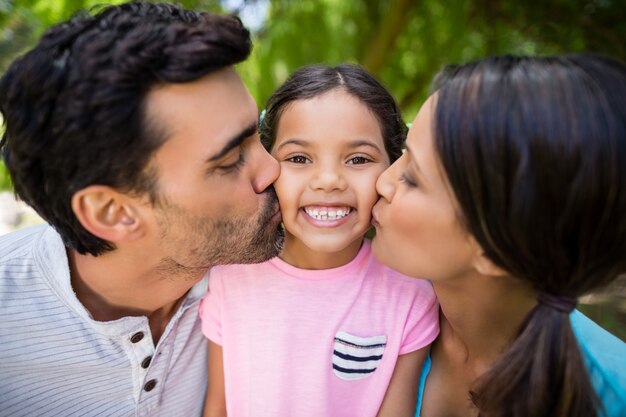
(408, 180)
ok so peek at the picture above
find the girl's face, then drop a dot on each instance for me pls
(331, 152)
(417, 227)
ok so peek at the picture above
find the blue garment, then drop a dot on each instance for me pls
(605, 356)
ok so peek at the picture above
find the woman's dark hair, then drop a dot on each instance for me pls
(535, 152)
(74, 106)
(314, 80)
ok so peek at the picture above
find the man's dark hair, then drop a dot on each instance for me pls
(74, 106)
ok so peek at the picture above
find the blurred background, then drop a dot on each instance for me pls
(402, 42)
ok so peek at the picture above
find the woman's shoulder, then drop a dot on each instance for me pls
(598, 342)
(605, 355)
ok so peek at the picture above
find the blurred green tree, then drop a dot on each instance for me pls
(403, 42)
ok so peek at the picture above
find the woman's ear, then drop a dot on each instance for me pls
(107, 213)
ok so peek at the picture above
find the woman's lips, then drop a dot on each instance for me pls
(375, 217)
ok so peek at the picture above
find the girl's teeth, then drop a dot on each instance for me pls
(327, 214)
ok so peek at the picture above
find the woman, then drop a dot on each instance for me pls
(511, 198)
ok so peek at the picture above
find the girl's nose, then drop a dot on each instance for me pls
(328, 178)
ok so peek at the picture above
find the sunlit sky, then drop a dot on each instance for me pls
(252, 14)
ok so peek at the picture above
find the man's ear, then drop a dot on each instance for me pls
(486, 267)
(107, 213)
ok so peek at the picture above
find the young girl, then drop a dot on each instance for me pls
(324, 329)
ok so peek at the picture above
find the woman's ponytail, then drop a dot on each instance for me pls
(542, 374)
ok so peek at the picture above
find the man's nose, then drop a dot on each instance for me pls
(267, 168)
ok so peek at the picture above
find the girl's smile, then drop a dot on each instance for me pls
(327, 215)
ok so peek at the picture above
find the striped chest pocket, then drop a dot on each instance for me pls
(357, 357)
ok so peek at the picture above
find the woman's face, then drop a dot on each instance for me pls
(417, 227)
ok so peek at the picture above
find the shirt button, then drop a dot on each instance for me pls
(149, 386)
(136, 337)
(146, 362)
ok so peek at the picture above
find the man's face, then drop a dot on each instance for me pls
(215, 204)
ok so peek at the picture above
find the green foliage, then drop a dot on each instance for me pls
(5, 181)
(403, 42)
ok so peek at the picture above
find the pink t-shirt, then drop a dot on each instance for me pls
(315, 343)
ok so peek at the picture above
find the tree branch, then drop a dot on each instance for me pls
(389, 29)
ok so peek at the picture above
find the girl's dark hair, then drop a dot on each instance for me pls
(74, 106)
(314, 80)
(535, 152)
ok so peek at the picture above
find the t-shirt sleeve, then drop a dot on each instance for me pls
(211, 307)
(422, 323)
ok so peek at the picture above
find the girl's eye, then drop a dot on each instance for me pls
(406, 179)
(298, 159)
(358, 160)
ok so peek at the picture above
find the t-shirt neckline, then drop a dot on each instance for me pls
(322, 274)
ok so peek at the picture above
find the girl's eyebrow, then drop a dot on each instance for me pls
(354, 144)
(364, 142)
(299, 142)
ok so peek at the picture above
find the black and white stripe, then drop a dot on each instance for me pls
(356, 357)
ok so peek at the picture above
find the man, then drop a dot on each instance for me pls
(132, 135)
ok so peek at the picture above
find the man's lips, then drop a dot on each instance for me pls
(277, 216)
